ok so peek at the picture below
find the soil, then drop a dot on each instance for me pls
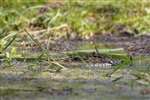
(132, 45)
(92, 58)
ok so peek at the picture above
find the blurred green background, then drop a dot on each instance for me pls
(84, 17)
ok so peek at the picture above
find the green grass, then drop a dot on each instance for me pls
(83, 17)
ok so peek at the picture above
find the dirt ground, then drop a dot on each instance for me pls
(132, 45)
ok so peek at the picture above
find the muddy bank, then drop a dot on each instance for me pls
(132, 45)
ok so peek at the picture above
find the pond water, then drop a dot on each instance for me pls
(75, 83)
(34, 80)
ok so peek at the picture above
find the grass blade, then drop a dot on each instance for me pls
(9, 43)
